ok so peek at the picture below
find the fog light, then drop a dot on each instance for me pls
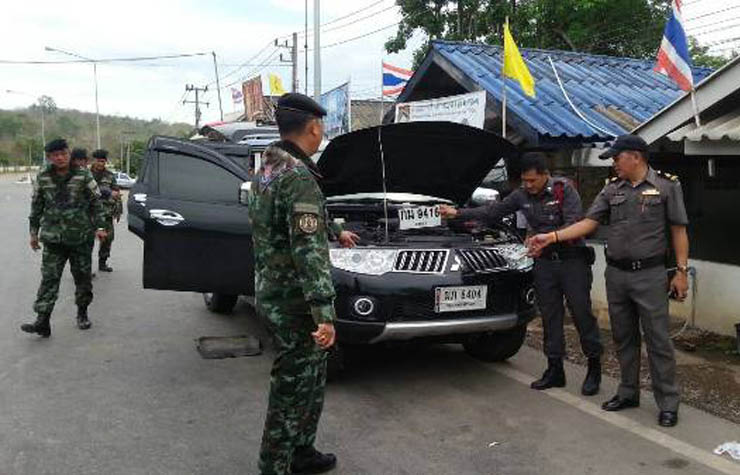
(529, 296)
(364, 306)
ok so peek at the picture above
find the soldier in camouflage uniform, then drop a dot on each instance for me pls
(294, 288)
(111, 195)
(80, 159)
(60, 219)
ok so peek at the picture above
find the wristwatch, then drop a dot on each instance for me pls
(684, 269)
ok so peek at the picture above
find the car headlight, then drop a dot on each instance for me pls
(516, 255)
(363, 261)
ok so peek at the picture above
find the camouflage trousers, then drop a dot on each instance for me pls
(296, 399)
(104, 251)
(54, 257)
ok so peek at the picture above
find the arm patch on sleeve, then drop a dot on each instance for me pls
(308, 223)
(302, 208)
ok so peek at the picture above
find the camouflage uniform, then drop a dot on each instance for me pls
(113, 208)
(60, 217)
(294, 293)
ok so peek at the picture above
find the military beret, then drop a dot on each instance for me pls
(56, 145)
(296, 102)
(100, 153)
(79, 153)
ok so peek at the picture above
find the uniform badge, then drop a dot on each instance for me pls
(308, 223)
(651, 192)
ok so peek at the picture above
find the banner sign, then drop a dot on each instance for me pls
(338, 111)
(254, 103)
(468, 109)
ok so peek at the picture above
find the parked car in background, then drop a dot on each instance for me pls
(412, 276)
(124, 181)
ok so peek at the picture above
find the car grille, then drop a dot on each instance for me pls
(421, 308)
(421, 261)
(483, 260)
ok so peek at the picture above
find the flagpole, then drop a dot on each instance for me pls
(503, 81)
(696, 107)
(382, 96)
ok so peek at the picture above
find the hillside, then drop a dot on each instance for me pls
(20, 131)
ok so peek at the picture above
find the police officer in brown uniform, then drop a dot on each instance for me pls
(564, 270)
(639, 205)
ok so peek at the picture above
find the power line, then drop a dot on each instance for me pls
(334, 28)
(244, 64)
(715, 23)
(348, 15)
(722, 28)
(106, 60)
(254, 71)
(712, 13)
(331, 45)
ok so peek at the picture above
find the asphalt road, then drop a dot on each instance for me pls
(133, 396)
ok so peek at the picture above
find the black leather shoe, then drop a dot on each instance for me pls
(103, 266)
(553, 377)
(617, 404)
(83, 322)
(593, 378)
(310, 460)
(668, 418)
(41, 326)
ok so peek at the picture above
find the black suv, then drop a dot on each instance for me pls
(412, 276)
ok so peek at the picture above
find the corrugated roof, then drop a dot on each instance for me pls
(610, 92)
(724, 127)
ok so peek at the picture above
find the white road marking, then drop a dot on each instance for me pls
(701, 456)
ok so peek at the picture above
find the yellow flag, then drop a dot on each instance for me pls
(514, 65)
(276, 85)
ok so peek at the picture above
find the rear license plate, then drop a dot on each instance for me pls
(460, 299)
(419, 217)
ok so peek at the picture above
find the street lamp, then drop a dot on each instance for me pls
(41, 106)
(95, 76)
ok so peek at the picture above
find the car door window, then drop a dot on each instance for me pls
(188, 178)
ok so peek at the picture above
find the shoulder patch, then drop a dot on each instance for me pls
(308, 223)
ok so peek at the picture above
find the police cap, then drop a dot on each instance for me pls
(56, 145)
(296, 102)
(100, 153)
(623, 143)
(79, 153)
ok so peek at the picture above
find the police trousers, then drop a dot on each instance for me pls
(297, 383)
(640, 300)
(53, 260)
(570, 278)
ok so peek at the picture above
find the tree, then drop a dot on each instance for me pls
(700, 55)
(630, 28)
(48, 104)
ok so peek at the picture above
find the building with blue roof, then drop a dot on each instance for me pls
(614, 95)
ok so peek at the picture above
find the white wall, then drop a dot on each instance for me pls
(717, 295)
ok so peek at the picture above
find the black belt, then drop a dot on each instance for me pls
(562, 253)
(639, 264)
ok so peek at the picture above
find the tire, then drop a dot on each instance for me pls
(496, 346)
(220, 303)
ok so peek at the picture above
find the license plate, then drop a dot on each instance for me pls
(419, 217)
(460, 299)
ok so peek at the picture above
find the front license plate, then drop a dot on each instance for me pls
(419, 217)
(460, 299)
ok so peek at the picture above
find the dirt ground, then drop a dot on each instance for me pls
(708, 366)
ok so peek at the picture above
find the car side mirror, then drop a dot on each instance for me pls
(483, 196)
(244, 192)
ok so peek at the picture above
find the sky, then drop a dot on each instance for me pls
(240, 32)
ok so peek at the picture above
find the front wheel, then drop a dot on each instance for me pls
(220, 303)
(495, 346)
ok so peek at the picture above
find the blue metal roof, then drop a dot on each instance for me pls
(603, 88)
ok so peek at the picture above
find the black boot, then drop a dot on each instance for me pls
(553, 377)
(103, 266)
(593, 378)
(310, 460)
(41, 326)
(83, 323)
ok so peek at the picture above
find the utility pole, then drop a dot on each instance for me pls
(197, 102)
(293, 59)
(218, 86)
(316, 50)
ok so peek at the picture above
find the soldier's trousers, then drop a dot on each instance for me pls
(639, 299)
(53, 259)
(569, 278)
(105, 245)
(296, 399)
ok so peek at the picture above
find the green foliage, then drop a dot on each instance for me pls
(20, 130)
(700, 55)
(630, 28)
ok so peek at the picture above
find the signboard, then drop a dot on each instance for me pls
(467, 109)
(254, 103)
(338, 111)
(419, 217)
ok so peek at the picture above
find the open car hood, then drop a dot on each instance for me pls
(440, 159)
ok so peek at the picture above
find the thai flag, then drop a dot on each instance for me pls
(394, 79)
(673, 57)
